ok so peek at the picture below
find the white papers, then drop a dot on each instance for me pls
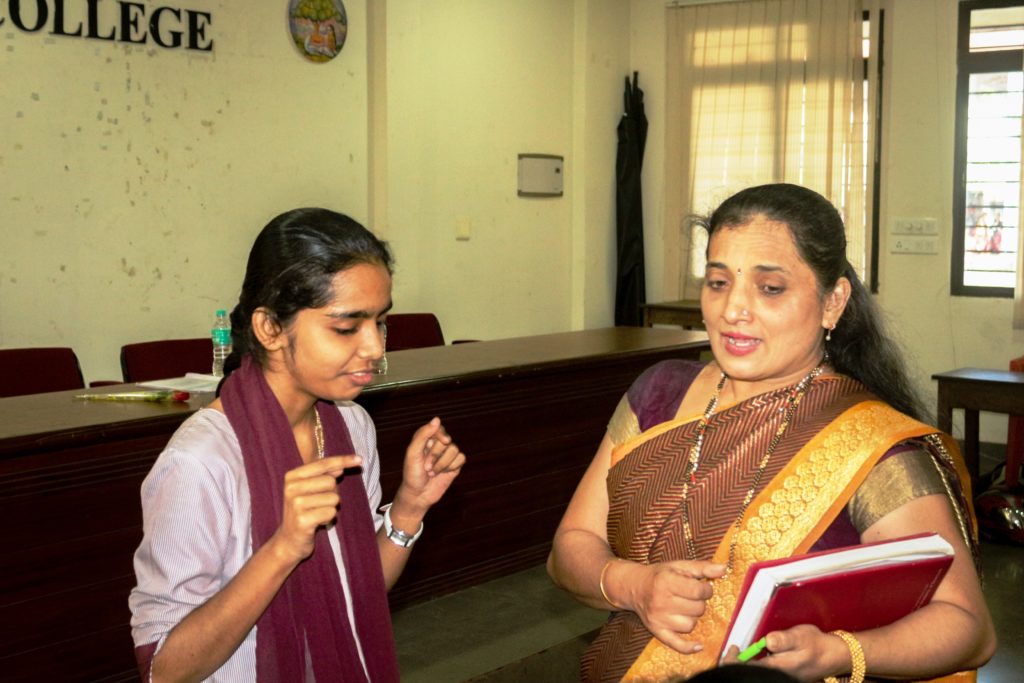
(192, 381)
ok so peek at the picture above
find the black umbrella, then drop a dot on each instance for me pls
(630, 293)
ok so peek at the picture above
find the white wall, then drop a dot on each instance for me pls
(470, 85)
(941, 332)
(601, 64)
(133, 179)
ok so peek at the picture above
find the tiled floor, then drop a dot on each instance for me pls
(481, 629)
(522, 628)
(1003, 568)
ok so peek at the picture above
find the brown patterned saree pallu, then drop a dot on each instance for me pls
(836, 435)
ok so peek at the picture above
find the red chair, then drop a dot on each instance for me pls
(38, 370)
(413, 331)
(146, 361)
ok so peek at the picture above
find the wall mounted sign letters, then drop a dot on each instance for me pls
(318, 27)
(121, 21)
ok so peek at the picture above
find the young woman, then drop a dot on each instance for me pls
(265, 554)
(802, 434)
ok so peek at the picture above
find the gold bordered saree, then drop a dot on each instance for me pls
(839, 432)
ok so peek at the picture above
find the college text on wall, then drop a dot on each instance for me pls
(119, 21)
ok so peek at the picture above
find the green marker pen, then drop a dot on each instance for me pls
(753, 650)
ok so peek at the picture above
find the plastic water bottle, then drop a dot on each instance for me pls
(221, 335)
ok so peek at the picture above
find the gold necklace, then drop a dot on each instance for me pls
(792, 401)
(318, 434)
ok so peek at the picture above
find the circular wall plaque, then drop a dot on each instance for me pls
(318, 27)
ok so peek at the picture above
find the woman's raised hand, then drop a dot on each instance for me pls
(310, 500)
(432, 461)
(669, 597)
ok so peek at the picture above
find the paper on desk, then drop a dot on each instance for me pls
(192, 381)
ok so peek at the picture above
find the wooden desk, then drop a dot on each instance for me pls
(683, 313)
(529, 413)
(974, 390)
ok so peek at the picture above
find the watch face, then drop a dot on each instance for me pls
(401, 538)
(318, 27)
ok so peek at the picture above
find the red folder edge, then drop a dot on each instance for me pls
(841, 600)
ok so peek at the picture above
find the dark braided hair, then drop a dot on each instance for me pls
(859, 346)
(291, 268)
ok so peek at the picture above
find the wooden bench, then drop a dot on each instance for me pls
(974, 390)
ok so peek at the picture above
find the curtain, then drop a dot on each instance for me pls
(762, 91)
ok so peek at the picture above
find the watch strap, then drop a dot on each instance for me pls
(397, 536)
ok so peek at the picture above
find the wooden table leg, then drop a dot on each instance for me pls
(972, 457)
(944, 414)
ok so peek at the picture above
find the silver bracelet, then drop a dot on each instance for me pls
(397, 536)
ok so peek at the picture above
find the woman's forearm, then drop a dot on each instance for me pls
(407, 518)
(575, 564)
(937, 639)
(204, 640)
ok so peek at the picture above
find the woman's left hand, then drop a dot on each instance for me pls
(804, 652)
(432, 461)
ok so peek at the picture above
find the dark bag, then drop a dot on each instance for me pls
(1000, 508)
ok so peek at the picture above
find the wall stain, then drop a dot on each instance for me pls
(126, 269)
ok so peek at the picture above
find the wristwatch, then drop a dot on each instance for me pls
(397, 536)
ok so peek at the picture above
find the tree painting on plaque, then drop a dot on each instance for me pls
(318, 27)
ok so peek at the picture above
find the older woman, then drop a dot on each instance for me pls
(805, 396)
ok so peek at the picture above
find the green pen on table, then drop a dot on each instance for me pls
(754, 650)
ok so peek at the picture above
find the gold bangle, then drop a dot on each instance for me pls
(858, 666)
(600, 584)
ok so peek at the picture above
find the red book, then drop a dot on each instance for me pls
(854, 589)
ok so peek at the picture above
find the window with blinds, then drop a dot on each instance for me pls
(987, 184)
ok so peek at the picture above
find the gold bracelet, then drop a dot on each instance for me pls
(600, 583)
(858, 667)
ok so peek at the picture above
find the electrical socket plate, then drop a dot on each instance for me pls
(914, 245)
(915, 226)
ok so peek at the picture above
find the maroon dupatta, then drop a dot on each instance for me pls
(309, 609)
